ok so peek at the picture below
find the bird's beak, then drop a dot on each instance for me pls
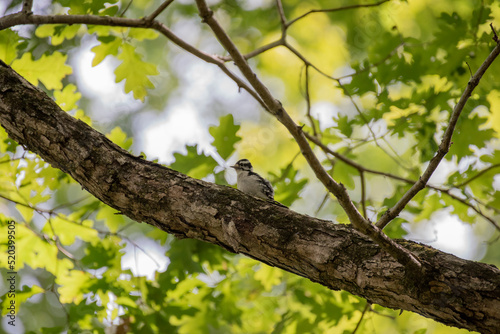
(235, 167)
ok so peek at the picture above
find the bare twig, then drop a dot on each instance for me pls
(365, 309)
(21, 19)
(308, 100)
(367, 123)
(363, 192)
(158, 11)
(482, 172)
(283, 20)
(257, 51)
(495, 36)
(275, 108)
(445, 143)
(126, 8)
(331, 10)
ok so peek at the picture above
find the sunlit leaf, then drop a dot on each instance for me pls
(225, 136)
(193, 164)
(135, 72)
(119, 137)
(49, 70)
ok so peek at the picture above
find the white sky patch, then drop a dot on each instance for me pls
(144, 261)
(324, 113)
(164, 134)
(447, 233)
(98, 83)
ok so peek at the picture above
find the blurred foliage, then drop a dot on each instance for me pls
(381, 83)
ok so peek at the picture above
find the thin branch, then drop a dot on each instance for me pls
(307, 62)
(331, 10)
(323, 202)
(367, 123)
(363, 192)
(308, 101)
(126, 8)
(445, 143)
(257, 51)
(158, 11)
(21, 19)
(365, 309)
(476, 209)
(52, 212)
(482, 172)
(362, 169)
(495, 36)
(283, 19)
(404, 256)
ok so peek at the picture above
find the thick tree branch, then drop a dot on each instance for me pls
(275, 108)
(453, 291)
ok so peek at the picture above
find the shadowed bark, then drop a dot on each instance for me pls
(450, 290)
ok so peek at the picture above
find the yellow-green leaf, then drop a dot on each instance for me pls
(103, 50)
(135, 72)
(119, 137)
(8, 42)
(58, 33)
(67, 230)
(67, 97)
(49, 70)
(73, 286)
(142, 34)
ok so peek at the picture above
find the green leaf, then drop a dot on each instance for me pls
(345, 126)
(344, 173)
(268, 276)
(394, 230)
(225, 136)
(141, 34)
(26, 212)
(66, 229)
(57, 33)
(431, 204)
(49, 70)
(194, 164)
(119, 137)
(111, 217)
(9, 40)
(288, 185)
(73, 285)
(135, 72)
(109, 46)
(67, 98)
(469, 132)
(20, 297)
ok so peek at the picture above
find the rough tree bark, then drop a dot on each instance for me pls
(453, 291)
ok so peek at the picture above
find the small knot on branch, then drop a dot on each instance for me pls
(495, 36)
(206, 15)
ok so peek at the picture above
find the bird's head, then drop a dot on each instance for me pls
(243, 164)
